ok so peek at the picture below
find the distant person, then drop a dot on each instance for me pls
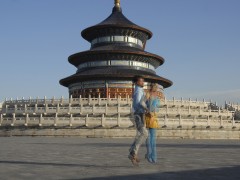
(151, 102)
(138, 111)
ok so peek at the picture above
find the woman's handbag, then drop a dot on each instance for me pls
(151, 120)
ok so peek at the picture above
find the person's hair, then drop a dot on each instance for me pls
(154, 87)
(136, 78)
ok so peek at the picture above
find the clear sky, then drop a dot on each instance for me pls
(199, 39)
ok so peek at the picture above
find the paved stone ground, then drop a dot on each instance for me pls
(88, 158)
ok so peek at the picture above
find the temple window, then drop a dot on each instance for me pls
(117, 39)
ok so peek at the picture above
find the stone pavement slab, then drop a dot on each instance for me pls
(66, 158)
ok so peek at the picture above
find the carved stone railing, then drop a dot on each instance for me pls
(110, 112)
(100, 101)
(116, 121)
(234, 106)
(112, 109)
(1, 103)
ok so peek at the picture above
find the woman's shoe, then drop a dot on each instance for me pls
(148, 159)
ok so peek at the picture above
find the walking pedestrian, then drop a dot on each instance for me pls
(151, 102)
(138, 110)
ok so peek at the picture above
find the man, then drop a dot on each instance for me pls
(139, 111)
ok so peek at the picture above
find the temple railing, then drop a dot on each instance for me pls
(116, 121)
(1, 107)
(100, 101)
(113, 109)
(235, 106)
(109, 112)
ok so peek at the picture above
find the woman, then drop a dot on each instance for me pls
(151, 102)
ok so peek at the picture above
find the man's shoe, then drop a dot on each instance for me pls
(134, 159)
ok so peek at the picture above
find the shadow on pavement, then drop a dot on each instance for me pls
(225, 173)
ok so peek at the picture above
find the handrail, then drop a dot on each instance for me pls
(96, 100)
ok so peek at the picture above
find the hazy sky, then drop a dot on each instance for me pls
(199, 39)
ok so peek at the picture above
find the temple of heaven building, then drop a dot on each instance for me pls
(116, 56)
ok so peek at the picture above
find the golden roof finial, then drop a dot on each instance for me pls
(117, 3)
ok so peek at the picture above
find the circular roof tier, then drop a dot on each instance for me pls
(114, 74)
(116, 54)
(116, 23)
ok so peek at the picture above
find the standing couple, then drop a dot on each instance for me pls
(145, 108)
